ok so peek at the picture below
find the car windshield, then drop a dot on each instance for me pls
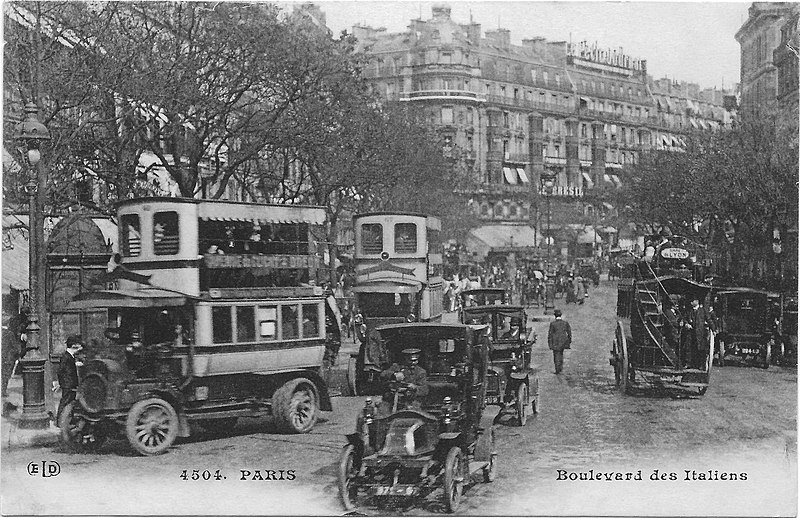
(745, 314)
(441, 348)
(505, 325)
(386, 304)
(147, 325)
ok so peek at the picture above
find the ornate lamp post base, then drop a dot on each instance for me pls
(34, 408)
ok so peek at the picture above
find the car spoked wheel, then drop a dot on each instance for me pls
(152, 426)
(79, 434)
(453, 480)
(295, 405)
(348, 491)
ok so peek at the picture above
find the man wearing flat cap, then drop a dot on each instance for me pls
(410, 372)
(559, 337)
(68, 373)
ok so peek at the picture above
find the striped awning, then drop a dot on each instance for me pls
(616, 180)
(693, 122)
(510, 175)
(523, 176)
(262, 213)
(588, 179)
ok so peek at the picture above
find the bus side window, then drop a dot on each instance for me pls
(268, 322)
(222, 324)
(371, 238)
(290, 320)
(131, 235)
(310, 321)
(165, 233)
(405, 238)
(245, 324)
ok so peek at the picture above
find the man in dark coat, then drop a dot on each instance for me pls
(68, 373)
(698, 322)
(559, 337)
(410, 373)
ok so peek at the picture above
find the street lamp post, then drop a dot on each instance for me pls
(548, 179)
(548, 182)
(32, 133)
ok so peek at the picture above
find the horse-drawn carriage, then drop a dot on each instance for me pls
(659, 342)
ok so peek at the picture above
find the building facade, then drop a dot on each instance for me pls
(759, 37)
(517, 113)
(785, 60)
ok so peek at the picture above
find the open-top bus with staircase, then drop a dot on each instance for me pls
(653, 345)
(212, 314)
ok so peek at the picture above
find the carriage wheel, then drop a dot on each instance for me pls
(624, 371)
(522, 404)
(615, 352)
(348, 491)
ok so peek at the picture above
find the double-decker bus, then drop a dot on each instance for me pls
(399, 266)
(213, 316)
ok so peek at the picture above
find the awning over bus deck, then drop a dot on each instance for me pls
(262, 214)
(401, 286)
(128, 299)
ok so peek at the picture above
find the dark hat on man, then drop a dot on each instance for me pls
(73, 340)
(557, 313)
(412, 353)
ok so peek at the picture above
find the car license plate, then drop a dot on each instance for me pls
(396, 490)
(749, 351)
(492, 400)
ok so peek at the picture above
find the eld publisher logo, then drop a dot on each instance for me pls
(47, 468)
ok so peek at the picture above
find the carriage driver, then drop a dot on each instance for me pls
(410, 372)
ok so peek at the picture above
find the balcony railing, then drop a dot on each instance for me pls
(418, 95)
(519, 158)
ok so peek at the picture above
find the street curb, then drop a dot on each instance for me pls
(13, 436)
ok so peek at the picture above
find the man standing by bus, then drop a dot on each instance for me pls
(698, 323)
(559, 337)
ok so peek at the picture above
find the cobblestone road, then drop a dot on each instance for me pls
(745, 424)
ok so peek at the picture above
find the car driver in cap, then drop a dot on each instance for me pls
(409, 373)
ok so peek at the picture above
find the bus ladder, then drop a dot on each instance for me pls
(654, 321)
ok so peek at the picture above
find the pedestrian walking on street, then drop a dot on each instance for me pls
(68, 373)
(559, 337)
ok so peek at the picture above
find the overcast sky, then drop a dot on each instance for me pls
(690, 41)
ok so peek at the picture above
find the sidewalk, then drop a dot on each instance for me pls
(13, 436)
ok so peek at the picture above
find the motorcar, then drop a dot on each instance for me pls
(482, 297)
(405, 450)
(748, 330)
(513, 384)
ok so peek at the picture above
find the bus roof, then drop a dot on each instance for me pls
(223, 210)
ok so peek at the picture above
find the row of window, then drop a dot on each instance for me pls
(239, 237)
(405, 238)
(166, 238)
(248, 324)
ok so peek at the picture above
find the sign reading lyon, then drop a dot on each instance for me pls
(675, 253)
